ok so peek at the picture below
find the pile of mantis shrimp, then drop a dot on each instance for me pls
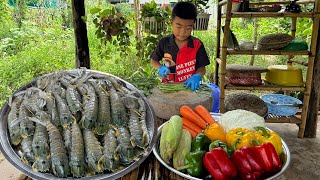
(78, 124)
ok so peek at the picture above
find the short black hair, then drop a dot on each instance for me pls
(184, 10)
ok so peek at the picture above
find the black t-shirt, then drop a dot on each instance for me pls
(168, 45)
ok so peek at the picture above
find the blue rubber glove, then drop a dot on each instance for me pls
(163, 70)
(193, 82)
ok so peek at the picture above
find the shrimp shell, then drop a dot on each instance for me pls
(93, 150)
(110, 159)
(77, 157)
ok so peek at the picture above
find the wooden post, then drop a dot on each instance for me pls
(255, 38)
(136, 18)
(309, 80)
(312, 115)
(216, 77)
(224, 56)
(80, 33)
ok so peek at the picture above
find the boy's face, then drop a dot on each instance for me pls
(182, 28)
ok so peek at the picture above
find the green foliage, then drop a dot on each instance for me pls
(4, 11)
(38, 58)
(15, 41)
(201, 5)
(110, 23)
(152, 34)
(152, 10)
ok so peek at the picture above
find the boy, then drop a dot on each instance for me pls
(185, 55)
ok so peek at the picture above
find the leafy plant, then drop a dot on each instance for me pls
(110, 22)
(153, 31)
(201, 5)
(152, 10)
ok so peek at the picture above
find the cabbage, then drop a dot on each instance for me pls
(240, 118)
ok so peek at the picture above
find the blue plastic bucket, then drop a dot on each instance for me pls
(215, 97)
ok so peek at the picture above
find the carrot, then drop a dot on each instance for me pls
(186, 122)
(193, 134)
(204, 114)
(188, 113)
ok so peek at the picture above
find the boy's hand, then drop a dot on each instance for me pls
(193, 82)
(163, 70)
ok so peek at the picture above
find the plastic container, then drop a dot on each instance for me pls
(234, 8)
(284, 75)
(275, 103)
(215, 97)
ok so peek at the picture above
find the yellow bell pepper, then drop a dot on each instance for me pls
(240, 137)
(215, 132)
(263, 135)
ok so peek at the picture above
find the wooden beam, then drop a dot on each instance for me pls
(312, 115)
(284, 2)
(265, 87)
(80, 33)
(267, 52)
(270, 14)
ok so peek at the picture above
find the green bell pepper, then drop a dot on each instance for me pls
(194, 166)
(200, 142)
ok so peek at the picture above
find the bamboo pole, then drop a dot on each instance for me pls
(266, 87)
(293, 32)
(224, 56)
(294, 120)
(298, 62)
(268, 52)
(216, 76)
(223, 2)
(284, 2)
(255, 37)
(136, 19)
(218, 60)
(307, 91)
(309, 128)
(271, 14)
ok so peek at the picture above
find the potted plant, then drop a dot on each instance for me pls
(202, 20)
(154, 18)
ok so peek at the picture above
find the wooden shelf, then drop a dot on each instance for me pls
(267, 52)
(223, 52)
(265, 87)
(284, 119)
(270, 14)
(271, 3)
(282, 2)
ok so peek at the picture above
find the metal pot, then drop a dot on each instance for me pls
(284, 75)
(12, 155)
(285, 156)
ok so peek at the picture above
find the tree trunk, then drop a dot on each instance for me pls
(80, 32)
(312, 116)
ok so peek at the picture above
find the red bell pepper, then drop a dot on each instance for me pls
(270, 158)
(248, 162)
(219, 165)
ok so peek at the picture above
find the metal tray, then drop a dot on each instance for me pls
(285, 156)
(11, 155)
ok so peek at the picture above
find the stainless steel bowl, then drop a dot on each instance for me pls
(285, 156)
(12, 156)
